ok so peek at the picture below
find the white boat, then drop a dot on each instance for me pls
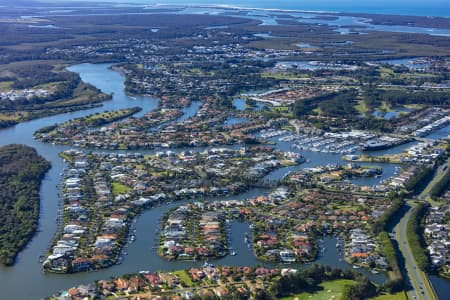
(206, 265)
(233, 253)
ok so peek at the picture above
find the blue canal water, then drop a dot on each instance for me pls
(27, 272)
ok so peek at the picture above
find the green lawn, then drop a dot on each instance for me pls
(184, 278)
(361, 107)
(398, 296)
(286, 76)
(9, 117)
(384, 107)
(317, 110)
(331, 290)
(386, 72)
(413, 106)
(118, 188)
(5, 85)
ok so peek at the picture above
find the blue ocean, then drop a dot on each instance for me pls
(393, 7)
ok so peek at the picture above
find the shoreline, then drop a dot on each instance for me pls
(284, 10)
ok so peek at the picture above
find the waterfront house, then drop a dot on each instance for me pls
(81, 264)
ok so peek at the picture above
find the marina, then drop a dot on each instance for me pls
(137, 255)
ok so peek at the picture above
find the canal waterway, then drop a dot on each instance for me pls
(25, 280)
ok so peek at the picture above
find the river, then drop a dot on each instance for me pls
(27, 271)
(25, 280)
(342, 24)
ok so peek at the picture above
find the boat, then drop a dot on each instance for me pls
(287, 256)
(233, 253)
(374, 145)
(206, 265)
(356, 267)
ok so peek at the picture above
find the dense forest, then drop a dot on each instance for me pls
(337, 104)
(21, 172)
(382, 223)
(417, 182)
(414, 234)
(374, 97)
(442, 186)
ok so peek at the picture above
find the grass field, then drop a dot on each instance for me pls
(118, 188)
(414, 106)
(361, 107)
(17, 116)
(282, 44)
(286, 76)
(331, 290)
(384, 107)
(318, 111)
(386, 72)
(5, 85)
(398, 296)
(184, 277)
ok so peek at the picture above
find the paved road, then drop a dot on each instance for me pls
(417, 277)
(421, 287)
(437, 177)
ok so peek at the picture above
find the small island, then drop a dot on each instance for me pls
(21, 172)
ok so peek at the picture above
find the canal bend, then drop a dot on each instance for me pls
(27, 272)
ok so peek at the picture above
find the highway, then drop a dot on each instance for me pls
(421, 288)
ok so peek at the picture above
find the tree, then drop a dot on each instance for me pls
(21, 172)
